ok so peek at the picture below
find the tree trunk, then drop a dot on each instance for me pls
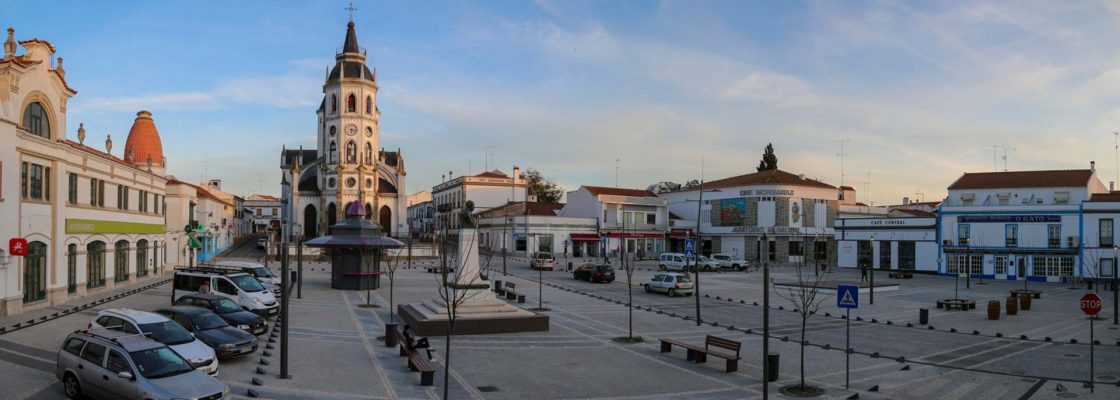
(630, 306)
(447, 356)
(391, 317)
(803, 320)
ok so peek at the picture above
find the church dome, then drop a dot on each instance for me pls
(143, 141)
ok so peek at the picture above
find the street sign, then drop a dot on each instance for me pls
(515, 236)
(17, 247)
(689, 248)
(847, 296)
(1090, 304)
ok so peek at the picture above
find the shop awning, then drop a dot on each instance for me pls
(584, 237)
(635, 235)
(680, 233)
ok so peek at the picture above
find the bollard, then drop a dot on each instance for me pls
(1012, 306)
(391, 334)
(923, 316)
(569, 266)
(772, 361)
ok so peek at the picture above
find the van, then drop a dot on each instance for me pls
(257, 270)
(229, 282)
(673, 262)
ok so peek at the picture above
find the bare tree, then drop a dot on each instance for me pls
(628, 266)
(390, 271)
(806, 300)
(453, 294)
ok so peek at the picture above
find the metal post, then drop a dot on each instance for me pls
(1091, 359)
(285, 283)
(299, 268)
(847, 346)
(1115, 289)
(765, 320)
(700, 248)
(871, 267)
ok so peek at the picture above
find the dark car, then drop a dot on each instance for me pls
(228, 310)
(594, 273)
(211, 329)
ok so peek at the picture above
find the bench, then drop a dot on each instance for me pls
(900, 275)
(1029, 292)
(700, 354)
(434, 270)
(416, 361)
(511, 292)
(962, 304)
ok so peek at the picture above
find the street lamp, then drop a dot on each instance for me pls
(1115, 289)
(700, 246)
(765, 317)
(871, 267)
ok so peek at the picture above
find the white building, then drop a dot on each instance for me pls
(524, 228)
(1099, 247)
(420, 219)
(635, 217)
(794, 213)
(265, 209)
(889, 243)
(348, 163)
(487, 190)
(92, 220)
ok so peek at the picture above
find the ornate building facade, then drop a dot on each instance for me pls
(348, 163)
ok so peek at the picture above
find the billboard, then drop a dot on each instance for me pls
(732, 212)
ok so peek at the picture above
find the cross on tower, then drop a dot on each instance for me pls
(351, 9)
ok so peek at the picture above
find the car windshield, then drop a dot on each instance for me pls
(207, 320)
(262, 272)
(247, 283)
(544, 256)
(224, 306)
(167, 332)
(160, 362)
(683, 279)
(721, 257)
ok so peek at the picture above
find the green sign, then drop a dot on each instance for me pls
(94, 226)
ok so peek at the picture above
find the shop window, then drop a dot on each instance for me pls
(71, 268)
(820, 250)
(142, 258)
(1000, 265)
(907, 255)
(884, 255)
(796, 248)
(95, 264)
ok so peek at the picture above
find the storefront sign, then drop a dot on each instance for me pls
(1009, 218)
(766, 192)
(780, 230)
(79, 226)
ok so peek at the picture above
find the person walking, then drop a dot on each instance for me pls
(863, 274)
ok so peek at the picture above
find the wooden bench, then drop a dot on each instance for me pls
(949, 304)
(1030, 292)
(416, 361)
(900, 275)
(435, 270)
(511, 292)
(700, 354)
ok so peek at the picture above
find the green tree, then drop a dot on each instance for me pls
(546, 190)
(769, 160)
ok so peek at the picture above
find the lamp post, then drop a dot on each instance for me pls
(871, 267)
(700, 249)
(1115, 289)
(765, 318)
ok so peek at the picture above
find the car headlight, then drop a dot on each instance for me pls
(226, 391)
(244, 327)
(258, 301)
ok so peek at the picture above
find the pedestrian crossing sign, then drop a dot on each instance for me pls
(689, 248)
(847, 296)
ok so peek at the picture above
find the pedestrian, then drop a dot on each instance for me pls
(422, 343)
(863, 274)
(205, 288)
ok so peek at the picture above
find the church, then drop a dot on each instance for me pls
(349, 163)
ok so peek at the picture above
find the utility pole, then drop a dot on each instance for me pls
(766, 316)
(616, 161)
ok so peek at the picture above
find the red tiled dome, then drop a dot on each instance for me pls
(143, 141)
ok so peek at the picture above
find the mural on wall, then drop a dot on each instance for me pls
(795, 209)
(732, 212)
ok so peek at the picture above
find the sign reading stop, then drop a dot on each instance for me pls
(1091, 304)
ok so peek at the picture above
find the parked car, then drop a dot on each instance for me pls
(671, 283)
(228, 282)
(727, 261)
(211, 329)
(594, 273)
(673, 262)
(229, 311)
(262, 243)
(160, 329)
(543, 260)
(110, 364)
(706, 264)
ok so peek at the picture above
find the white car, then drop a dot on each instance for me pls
(671, 283)
(161, 329)
(673, 262)
(727, 261)
(262, 243)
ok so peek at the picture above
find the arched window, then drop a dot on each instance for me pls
(35, 272)
(334, 104)
(385, 218)
(369, 104)
(120, 261)
(141, 258)
(369, 211)
(71, 268)
(351, 103)
(351, 152)
(310, 222)
(35, 120)
(369, 154)
(333, 155)
(332, 216)
(95, 264)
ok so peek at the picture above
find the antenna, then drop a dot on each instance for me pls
(1116, 153)
(919, 195)
(489, 154)
(1005, 149)
(842, 161)
(995, 165)
(616, 161)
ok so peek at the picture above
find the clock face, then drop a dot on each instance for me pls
(351, 129)
(369, 132)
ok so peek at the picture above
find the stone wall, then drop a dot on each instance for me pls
(781, 212)
(809, 210)
(833, 213)
(752, 212)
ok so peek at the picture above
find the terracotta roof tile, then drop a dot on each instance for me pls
(491, 174)
(1105, 197)
(601, 190)
(768, 177)
(1022, 179)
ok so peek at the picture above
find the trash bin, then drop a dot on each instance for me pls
(1012, 306)
(391, 334)
(993, 309)
(497, 286)
(772, 361)
(1025, 301)
(923, 316)
(292, 278)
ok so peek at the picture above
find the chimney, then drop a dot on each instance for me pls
(1092, 165)
(516, 175)
(905, 201)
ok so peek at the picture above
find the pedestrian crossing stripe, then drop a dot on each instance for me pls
(847, 300)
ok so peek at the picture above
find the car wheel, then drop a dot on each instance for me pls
(661, 267)
(672, 293)
(648, 290)
(71, 386)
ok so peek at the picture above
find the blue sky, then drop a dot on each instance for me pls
(920, 90)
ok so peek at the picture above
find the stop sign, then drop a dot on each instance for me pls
(1091, 304)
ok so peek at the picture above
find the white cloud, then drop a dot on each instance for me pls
(291, 90)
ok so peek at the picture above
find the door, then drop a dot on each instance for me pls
(1022, 264)
(115, 386)
(90, 370)
(224, 287)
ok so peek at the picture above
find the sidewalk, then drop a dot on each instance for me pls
(12, 323)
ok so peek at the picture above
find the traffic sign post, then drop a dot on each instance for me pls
(847, 297)
(689, 248)
(1091, 305)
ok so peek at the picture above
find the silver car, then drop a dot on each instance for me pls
(671, 283)
(109, 364)
(160, 329)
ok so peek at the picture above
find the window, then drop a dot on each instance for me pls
(72, 183)
(651, 218)
(333, 155)
(369, 104)
(351, 105)
(884, 255)
(122, 197)
(35, 272)
(36, 181)
(1000, 265)
(155, 255)
(71, 268)
(95, 264)
(820, 250)
(906, 255)
(142, 257)
(120, 261)
(74, 346)
(1053, 266)
(35, 120)
(1054, 235)
(116, 363)
(961, 263)
(94, 353)
(1011, 235)
(369, 152)
(1105, 232)
(963, 231)
(351, 152)
(225, 286)
(96, 192)
(796, 248)
(334, 106)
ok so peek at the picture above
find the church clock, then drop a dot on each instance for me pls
(351, 129)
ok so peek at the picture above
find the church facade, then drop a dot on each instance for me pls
(348, 163)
